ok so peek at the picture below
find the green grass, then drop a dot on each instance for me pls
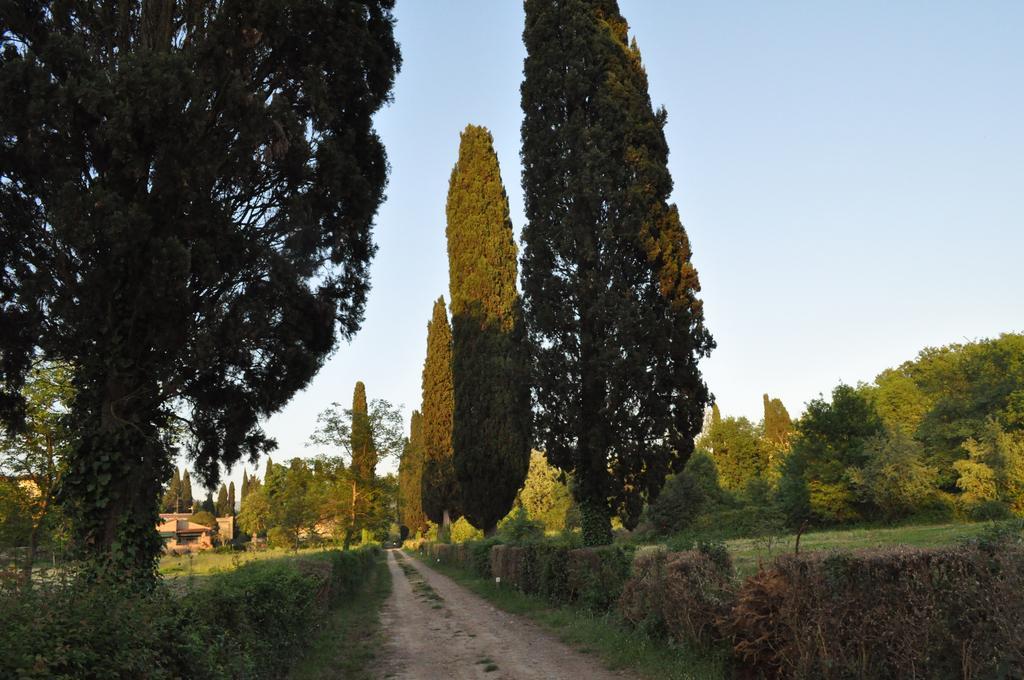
(208, 562)
(350, 641)
(747, 552)
(617, 645)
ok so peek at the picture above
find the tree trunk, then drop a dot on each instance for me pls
(445, 533)
(348, 539)
(33, 547)
(114, 479)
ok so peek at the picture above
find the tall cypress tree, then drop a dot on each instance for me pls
(190, 186)
(172, 496)
(610, 295)
(364, 455)
(231, 498)
(245, 484)
(440, 488)
(222, 501)
(490, 434)
(186, 491)
(410, 478)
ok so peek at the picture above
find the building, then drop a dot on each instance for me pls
(180, 534)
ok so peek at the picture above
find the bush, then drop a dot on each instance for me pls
(677, 505)
(954, 612)
(519, 528)
(279, 537)
(248, 623)
(989, 511)
(683, 595)
(595, 576)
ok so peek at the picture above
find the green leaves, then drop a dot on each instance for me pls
(163, 212)
(610, 294)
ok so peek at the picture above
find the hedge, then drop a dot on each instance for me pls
(248, 623)
(954, 612)
(903, 612)
(682, 595)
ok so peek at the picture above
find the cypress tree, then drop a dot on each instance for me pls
(222, 501)
(439, 488)
(245, 484)
(231, 498)
(208, 504)
(190, 186)
(490, 434)
(186, 491)
(364, 454)
(410, 478)
(172, 497)
(610, 296)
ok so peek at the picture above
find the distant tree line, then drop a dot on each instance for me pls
(939, 437)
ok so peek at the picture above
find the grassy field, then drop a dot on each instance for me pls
(748, 552)
(618, 646)
(210, 562)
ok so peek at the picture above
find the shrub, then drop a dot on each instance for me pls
(677, 505)
(954, 612)
(989, 511)
(248, 623)
(519, 528)
(480, 556)
(595, 576)
(279, 537)
(683, 595)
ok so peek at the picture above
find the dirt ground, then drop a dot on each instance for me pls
(436, 629)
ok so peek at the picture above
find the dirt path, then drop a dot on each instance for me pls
(437, 629)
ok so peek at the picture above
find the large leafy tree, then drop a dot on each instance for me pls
(187, 191)
(610, 295)
(34, 459)
(440, 492)
(410, 478)
(490, 431)
(362, 496)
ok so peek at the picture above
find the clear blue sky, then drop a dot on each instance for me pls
(851, 176)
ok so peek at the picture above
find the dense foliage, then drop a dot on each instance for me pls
(33, 461)
(440, 494)
(610, 294)
(410, 479)
(249, 623)
(938, 438)
(187, 191)
(490, 430)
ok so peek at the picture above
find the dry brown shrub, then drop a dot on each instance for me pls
(894, 613)
(683, 595)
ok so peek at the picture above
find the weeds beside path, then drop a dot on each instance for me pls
(349, 645)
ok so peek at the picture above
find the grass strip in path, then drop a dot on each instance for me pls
(420, 587)
(351, 640)
(618, 646)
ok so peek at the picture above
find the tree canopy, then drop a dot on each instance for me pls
(610, 294)
(490, 430)
(440, 492)
(187, 191)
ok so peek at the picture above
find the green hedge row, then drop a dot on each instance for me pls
(248, 623)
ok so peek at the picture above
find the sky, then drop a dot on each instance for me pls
(851, 177)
